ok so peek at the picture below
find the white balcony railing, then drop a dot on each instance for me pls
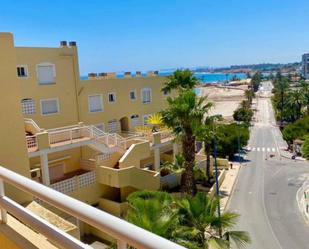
(124, 232)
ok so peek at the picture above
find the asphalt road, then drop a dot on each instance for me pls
(265, 193)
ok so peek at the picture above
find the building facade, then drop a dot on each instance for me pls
(305, 66)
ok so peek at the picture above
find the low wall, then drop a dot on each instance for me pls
(114, 208)
(135, 154)
(221, 178)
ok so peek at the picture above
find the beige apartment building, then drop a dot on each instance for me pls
(88, 139)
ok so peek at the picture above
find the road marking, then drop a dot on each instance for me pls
(258, 149)
(263, 149)
(249, 148)
(273, 149)
(268, 149)
(253, 149)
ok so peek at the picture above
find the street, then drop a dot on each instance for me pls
(265, 193)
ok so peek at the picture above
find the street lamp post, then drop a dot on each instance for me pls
(238, 140)
(217, 176)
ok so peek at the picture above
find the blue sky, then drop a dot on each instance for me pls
(143, 34)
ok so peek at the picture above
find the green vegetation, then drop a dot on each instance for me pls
(189, 221)
(227, 138)
(305, 148)
(256, 81)
(243, 113)
(297, 130)
(206, 132)
(183, 115)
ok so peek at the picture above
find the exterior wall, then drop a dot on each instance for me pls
(128, 177)
(5, 242)
(13, 151)
(63, 89)
(123, 107)
(71, 159)
(134, 155)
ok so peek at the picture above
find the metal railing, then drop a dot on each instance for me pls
(31, 122)
(124, 232)
(71, 134)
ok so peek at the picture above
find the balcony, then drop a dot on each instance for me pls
(123, 232)
(129, 177)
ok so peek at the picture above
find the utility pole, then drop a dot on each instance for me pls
(217, 175)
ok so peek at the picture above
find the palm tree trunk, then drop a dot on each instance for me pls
(187, 180)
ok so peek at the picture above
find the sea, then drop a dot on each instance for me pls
(207, 78)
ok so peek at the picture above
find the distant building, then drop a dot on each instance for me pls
(305, 65)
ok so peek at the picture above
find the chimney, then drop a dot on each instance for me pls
(156, 73)
(127, 74)
(102, 75)
(92, 76)
(138, 74)
(72, 43)
(63, 44)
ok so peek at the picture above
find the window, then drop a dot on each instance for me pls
(145, 119)
(135, 121)
(95, 103)
(22, 71)
(111, 97)
(146, 95)
(28, 106)
(49, 106)
(113, 126)
(133, 95)
(46, 73)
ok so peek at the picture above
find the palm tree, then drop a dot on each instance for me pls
(305, 92)
(206, 134)
(180, 80)
(184, 115)
(281, 88)
(156, 121)
(249, 94)
(295, 100)
(153, 211)
(200, 225)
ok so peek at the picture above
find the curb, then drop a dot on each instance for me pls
(233, 189)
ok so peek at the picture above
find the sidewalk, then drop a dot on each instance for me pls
(227, 186)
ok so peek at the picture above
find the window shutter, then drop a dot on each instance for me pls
(49, 106)
(95, 103)
(46, 74)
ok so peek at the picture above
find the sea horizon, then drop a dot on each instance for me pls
(206, 78)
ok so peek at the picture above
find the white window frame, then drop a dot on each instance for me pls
(115, 98)
(134, 91)
(146, 89)
(26, 71)
(49, 114)
(101, 98)
(54, 72)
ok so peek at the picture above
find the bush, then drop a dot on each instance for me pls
(227, 144)
(243, 115)
(305, 148)
(297, 130)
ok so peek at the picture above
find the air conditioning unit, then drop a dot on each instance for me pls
(35, 173)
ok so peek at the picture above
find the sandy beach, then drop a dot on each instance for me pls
(225, 99)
